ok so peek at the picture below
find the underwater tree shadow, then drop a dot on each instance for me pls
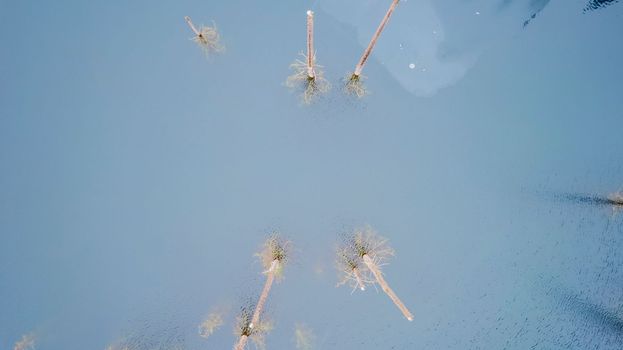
(581, 198)
(592, 5)
(598, 4)
(613, 202)
(594, 313)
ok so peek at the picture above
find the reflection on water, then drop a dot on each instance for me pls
(212, 322)
(304, 337)
(154, 333)
(429, 45)
(26, 343)
(411, 47)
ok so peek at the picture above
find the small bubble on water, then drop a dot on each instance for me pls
(411, 65)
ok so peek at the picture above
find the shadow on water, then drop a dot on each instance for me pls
(582, 198)
(597, 4)
(598, 315)
(611, 204)
(538, 5)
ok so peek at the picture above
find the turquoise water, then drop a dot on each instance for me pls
(140, 177)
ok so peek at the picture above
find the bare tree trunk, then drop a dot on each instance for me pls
(375, 37)
(310, 45)
(270, 277)
(192, 26)
(379, 278)
(242, 342)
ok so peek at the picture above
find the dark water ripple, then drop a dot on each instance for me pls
(597, 4)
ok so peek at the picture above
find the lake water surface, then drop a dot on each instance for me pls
(138, 177)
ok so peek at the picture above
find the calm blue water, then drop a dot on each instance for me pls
(138, 177)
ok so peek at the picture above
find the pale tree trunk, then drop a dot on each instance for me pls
(270, 277)
(192, 26)
(242, 342)
(375, 37)
(310, 45)
(378, 275)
